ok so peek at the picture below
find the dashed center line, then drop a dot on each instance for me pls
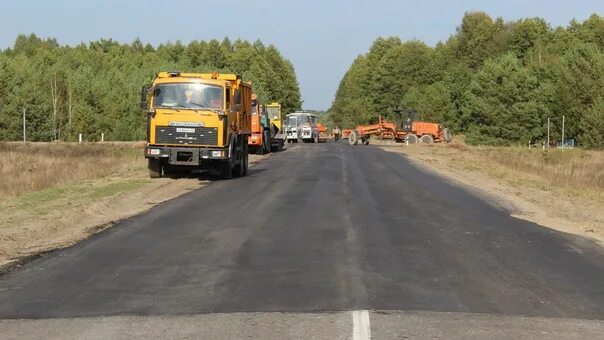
(361, 328)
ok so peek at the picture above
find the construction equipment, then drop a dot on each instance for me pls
(275, 116)
(266, 135)
(260, 139)
(197, 121)
(323, 135)
(408, 130)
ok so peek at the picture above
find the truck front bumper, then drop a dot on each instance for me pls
(185, 155)
(292, 134)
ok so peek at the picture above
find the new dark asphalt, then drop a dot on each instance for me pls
(317, 228)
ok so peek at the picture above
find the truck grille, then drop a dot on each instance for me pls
(186, 135)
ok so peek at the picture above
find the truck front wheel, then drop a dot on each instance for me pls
(154, 168)
(226, 170)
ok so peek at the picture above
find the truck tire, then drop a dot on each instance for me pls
(226, 170)
(240, 170)
(354, 137)
(266, 141)
(154, 166)
(246, 160)
(412, 138)
(447, 136)
(426, 139)
(226, 166)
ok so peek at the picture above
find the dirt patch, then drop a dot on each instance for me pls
(38, 222)
(526, 194)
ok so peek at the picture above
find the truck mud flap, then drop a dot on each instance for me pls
(184, 156)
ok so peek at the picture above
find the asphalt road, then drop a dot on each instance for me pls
(313, 232)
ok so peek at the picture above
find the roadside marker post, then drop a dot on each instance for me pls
(548, 132)
(563, 145)
(24, 139)
(80, 138)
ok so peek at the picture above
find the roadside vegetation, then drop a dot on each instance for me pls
(94, 88)
(573, 171)
(497, 82)
(38, 166)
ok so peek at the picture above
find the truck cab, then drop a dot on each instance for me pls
(197, 121)
(260, 140)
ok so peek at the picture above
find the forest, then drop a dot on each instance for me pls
(497, 82)
(94, 88)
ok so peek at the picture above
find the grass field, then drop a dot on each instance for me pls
(33, 167)
(574, 171)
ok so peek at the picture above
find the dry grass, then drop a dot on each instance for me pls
(575, 172)
(573, 169)
(36, 166)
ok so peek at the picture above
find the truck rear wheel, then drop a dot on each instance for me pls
(266, 141)
(354, 137)
(447, 136)
(154, 166)
(412, 138)
(426, 139)
(246, 160)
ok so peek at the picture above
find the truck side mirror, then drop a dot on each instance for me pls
(143, 103)
(237, 100)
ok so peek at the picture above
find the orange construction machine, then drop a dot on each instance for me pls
(259, 140)
(265, 122)
(408, 130)
(323, 136)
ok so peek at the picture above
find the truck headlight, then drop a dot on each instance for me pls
(217, 153)
(153, 152)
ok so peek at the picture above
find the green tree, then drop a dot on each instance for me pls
(592, 126)
(578, 80)
(506, 104)
(479, 38)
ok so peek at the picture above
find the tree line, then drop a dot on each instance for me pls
(496, 82)
(94, 88)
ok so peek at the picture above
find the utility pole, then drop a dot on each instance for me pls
(563, 144)
(548, 132)
(23, 125)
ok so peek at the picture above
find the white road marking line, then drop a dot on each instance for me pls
(361, 329)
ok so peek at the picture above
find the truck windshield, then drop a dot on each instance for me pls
(292, 121)
(188, 96)
(273, 112)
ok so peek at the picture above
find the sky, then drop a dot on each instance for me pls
(320, 38)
